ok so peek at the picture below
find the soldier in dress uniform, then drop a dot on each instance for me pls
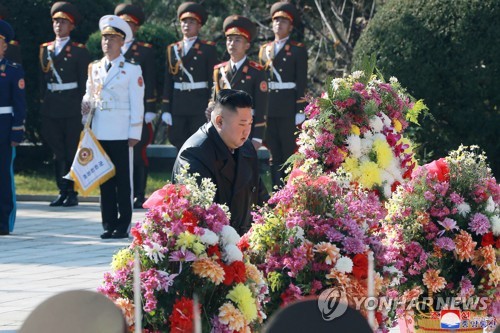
(285, 63)
(12, 115)
(115, 90)
(13, 52)
(188, 78)
(64, 66)
(240, 73)
(142, 54)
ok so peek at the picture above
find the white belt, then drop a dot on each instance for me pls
(281, 85)
(109, 105)
(6, 110)
(190, 86)
(62, 86)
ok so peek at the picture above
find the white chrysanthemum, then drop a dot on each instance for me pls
(229, 235)
(395, 170)
(209, 237)
(387, 190)
(299, 233)
(232, 253)
(344, 265)
(490, 205)
(366, 144)
(336, 83)
(354, 145)
(495, 225)
(463, 209)
(376, 124)
(154, 252)
(396, 273)
(357, 74)
(393, 79)
(386, 120)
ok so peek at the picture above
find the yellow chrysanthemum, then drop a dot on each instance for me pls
(121, 259)
(355, 130)
(242, 296)
(369, 174)
(198, 248)
(186, 240)
(397, 125)
(208, 268)
(351, 165)
(384, 153)
(232, 317)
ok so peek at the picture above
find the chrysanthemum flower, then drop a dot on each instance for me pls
(242, 296)
(207, 268)
(433, 281)
(231, 317)
(484, 257)
(127, 308)
(331, 251)
(464, 246)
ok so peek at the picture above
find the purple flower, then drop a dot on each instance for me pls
(456, 198)
(448, 225)
(479, 224)
(182, 255)
(466, 288)
(354, 245)
(429, 196)
(218, 327)
(445, 243)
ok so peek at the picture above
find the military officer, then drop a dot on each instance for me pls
(13, 52)
(115, 91)
(285, 63)
(64, 66)
(188, 78)
(12, 114)
(240, 73)
(142, 54)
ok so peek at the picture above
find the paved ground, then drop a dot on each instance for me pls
(51, 250)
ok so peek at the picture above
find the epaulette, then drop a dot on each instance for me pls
(222, 64)
(14, 42)
(80, 45)
(207, 42)
(46, 44)
(13, 64)
(132, 63)
(266, 44)
(148, 45)
(294, 43)
(255, 65)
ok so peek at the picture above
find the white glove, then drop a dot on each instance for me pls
(84, 119)
(167, 118)
(299, 118)
(149, 117)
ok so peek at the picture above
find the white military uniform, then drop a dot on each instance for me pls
(118, 97)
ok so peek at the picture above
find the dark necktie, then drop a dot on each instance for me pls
(234, 69)
(108, 66)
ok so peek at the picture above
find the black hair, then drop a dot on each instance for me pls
(232, 99)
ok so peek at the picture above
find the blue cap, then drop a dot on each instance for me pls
(6, 31)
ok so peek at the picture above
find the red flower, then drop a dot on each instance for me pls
(234, 273)
(488, 239)
(439, 169)
(360, 267)
(213, 251)
(155, 199)
(137, 236)
(243, 244)
(189, 220)
(181, 318)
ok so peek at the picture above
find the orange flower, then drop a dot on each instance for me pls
(127, 308)
(433, 281)
(412, 294)
(207, 268)
(253, 273)
(494, 276)
(464, 246)
(331, 251)
(231, 316)
(342, 278)
(485, 257)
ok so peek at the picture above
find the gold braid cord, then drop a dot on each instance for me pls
(45, 68)
(216, 81)
(173, 69)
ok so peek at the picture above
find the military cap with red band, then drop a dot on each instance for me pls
(239, 25)
(65, 10)
(285, 10)
(192, 10)
(130, 13)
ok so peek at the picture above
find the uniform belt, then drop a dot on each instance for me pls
(105, 105)
(281, 85)
(190, 86)
(62, 86)
(6, 109)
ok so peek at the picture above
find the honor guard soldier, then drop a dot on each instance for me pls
(115, 90)
(188, 78)
(13, 52)
(64, 66)
(12, 115)
(285, 63)
(141, 53)
(240, 73)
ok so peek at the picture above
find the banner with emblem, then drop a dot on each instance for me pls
(91, 166)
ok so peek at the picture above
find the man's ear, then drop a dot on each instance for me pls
(218, 121)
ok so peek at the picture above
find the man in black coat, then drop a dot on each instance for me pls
(220, 150)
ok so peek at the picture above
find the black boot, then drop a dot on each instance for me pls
(60, 167)
(71, 200)
(140, 178)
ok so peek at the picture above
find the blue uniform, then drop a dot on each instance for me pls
(12, 115)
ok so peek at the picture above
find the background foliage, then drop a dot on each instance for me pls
(445, 52)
